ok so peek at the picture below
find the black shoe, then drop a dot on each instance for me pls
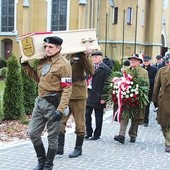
(76, 152)
(60, 151)
(133, 139)
(95, 138)
(145, 124)
(167, 149)
(87, 137)
(120, 139)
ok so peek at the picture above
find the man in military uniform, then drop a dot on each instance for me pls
(82, 65)
(161, 96)
(53, 75)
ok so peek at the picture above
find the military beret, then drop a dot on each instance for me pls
(96, 53)
(53, 40)
(146, 58)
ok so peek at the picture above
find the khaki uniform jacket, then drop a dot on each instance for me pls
(50, 79)
(161, 95)
(80, 69)
(139, 118)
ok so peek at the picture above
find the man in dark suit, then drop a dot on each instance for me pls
(152, 70)
(94, 100)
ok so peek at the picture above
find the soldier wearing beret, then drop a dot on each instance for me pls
(82, 65)
(53, 75)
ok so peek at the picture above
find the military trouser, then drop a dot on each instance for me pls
(42, 117)
(166, 133)
(132, 130)
(77, 109)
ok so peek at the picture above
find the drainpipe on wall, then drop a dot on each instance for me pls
(98, 18)
(123, 43)
(92, 14)
(136, 26)
(105, 52)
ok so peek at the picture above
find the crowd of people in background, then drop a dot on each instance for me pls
(159, 94)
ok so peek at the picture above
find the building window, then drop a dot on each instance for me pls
(59, 15)
(7, 15)
(129, 16)
(143, 18)
(115, 15)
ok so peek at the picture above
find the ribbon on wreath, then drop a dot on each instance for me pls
(123, 84)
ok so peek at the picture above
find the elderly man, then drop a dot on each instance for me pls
(53, 75)
(135, 62)
(95, 92)
(152, 70)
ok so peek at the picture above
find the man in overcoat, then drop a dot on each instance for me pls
(161, 95)
(94, 100)
(152, 70)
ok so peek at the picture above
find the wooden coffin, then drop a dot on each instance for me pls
(31, 45)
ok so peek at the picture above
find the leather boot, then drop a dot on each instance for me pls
(120, 139)
(78, 148)
(61, 141)
(50, 158)
(41, 155)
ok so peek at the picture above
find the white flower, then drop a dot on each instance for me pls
(127, 96)
(136, 92)
(124, 93)
(131, 94)
(114, 92)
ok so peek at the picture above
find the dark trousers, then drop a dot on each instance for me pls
(98, 121)
(147, 110)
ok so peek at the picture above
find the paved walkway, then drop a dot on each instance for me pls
(146, 154)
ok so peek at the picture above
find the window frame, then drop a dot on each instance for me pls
(14, 31)
(129, 15)
(115, 15)
(49, 15)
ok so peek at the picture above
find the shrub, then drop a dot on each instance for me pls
(117, 66)
(29, 92)
(3, 72)
(13, 93)
(3, 63)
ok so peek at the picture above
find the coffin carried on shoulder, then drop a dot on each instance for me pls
(31, 45)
